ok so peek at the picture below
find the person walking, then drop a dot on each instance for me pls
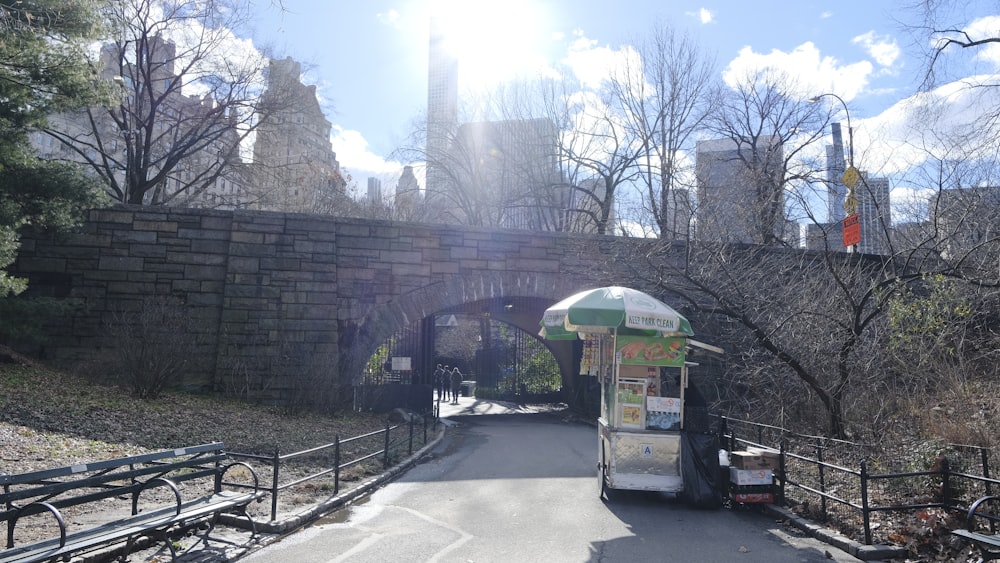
(446, 382)
(439, 382)
(456, 385)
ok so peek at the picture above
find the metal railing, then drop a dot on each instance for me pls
(384, 444)
(806, 472)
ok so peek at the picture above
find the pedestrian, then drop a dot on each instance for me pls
(439, 381)
(456, 385)
(446, 382)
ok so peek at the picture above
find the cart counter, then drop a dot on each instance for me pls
(640, 459)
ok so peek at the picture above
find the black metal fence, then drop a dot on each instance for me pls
(817, 472)
(383, 447)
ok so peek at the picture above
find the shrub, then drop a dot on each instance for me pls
(151, 345)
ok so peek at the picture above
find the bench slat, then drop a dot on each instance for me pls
(50, 490)
(142, 524)
(985, 539)
(35, 476)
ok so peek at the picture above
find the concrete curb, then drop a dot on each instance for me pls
(841, 542)
(296, 521)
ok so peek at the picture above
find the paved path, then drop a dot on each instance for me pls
(524, 488)
(473, 406)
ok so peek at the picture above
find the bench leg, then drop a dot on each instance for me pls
(253, 525)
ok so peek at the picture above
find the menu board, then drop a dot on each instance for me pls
(631, 416)
(630, 400)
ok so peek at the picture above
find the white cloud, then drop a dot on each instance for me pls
(945, 123)
(593, 63)
(812, 72)
(883, 49)
(390, 18)
(354, 154)
(985, 28)
(703, 15)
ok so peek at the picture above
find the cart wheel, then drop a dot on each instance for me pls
(602, 476)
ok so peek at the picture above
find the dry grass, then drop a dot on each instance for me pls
(51, 419)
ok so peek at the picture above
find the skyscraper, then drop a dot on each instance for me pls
(295, 166)
(500, 173)
(740, 191)
(188, 144)
(507, 171)
(442, 111)
(873, 202)
(835, 168)
(875, 214)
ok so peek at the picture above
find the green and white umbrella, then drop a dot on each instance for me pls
(612, 309)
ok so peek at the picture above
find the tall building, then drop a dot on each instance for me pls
(501, 173)
(874, 209)
(374, 189)
(836, 165)
(508, 173)
(295, 168)
(740, 189)
(442, 112)
(875, 213)
(965, 218)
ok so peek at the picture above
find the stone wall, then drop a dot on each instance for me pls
(281, 307)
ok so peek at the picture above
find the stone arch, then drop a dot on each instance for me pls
(359, 340)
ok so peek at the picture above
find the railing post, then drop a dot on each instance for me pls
(820, 448)
(275, 465)
(409, 448)
(864, 503)
(336, 464)
(781, 470)
(984, 454)
(945, 470)
(385, 462)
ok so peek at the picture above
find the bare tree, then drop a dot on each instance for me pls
(600, 149)
(764, 129)
(669, 97)
(188, 98)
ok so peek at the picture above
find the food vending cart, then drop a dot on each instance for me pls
(636, 346)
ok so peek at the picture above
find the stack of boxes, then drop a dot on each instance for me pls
(751, 475)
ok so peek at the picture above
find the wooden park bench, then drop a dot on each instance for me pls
(987, 542)
(121, 493)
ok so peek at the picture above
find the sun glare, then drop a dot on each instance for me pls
(493, 40)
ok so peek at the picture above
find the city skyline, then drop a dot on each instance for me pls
(860, 51)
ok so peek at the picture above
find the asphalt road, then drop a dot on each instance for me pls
(523, 487)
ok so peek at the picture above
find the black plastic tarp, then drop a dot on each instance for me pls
(703, 484)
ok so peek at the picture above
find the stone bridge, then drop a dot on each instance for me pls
(278, 305)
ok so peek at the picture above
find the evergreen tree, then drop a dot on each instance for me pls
(43, 70)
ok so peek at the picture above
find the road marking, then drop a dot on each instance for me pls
(374, 538)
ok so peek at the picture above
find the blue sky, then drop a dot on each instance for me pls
(369, 58)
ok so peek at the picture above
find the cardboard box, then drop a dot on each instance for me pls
(758, 459)
(747, 498)
(751, 476)
(751, 493)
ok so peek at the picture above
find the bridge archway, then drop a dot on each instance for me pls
(514, 298)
